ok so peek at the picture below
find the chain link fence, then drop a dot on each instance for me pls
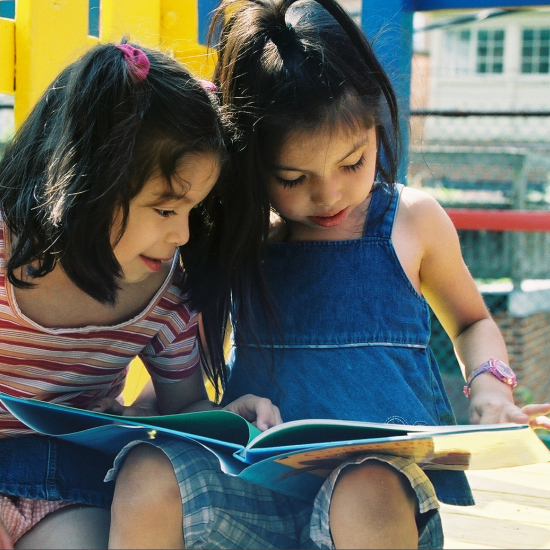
(497, 172)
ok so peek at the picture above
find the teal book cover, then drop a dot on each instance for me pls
(295, 457)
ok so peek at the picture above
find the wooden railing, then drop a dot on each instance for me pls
(499, 220)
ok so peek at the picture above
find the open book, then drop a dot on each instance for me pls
(293, 458)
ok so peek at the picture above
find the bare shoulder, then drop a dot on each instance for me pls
(415, 201)
(420, 212)
(418, 219)
(423, 236)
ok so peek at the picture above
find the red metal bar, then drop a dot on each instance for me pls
(500, 220)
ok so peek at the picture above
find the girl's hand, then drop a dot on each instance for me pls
(536, 414)
(260, 411)
(5, 539)
(497, 409)
(110, 405)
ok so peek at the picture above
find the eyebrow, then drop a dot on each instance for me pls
(357, 145)
(168, 195)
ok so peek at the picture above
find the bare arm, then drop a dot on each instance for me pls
(190, 395)
(449, 288)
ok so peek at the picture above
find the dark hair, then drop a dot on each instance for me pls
(87, 148)
(287, 65)
(301, 64)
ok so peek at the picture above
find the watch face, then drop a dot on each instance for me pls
(506, 370)
(503, 372)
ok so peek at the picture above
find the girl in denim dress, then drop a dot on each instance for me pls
(316, 129)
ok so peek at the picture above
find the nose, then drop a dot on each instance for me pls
(178, 233)
(326, 191)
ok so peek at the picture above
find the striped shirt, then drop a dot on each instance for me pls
(75, 366)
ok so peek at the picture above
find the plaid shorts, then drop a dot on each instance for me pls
(221, 511)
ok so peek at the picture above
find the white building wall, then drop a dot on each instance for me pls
(510, 90)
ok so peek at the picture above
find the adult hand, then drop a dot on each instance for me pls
(5, 539)
(260, 411)
(110, 405)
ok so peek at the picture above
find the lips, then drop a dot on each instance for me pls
(152, 263)
(329, 221)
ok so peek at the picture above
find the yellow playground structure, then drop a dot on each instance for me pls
(45, 35)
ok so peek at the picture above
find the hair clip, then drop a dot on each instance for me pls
(137, 61)
(208, 86)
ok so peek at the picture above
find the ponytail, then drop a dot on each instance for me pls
(297, 64)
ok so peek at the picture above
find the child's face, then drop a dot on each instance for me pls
(320, 182)
(158, 220)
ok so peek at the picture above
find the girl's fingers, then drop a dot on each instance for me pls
(540, 422)
(107, 405)
(498, 413)
(258, 410)
(536, 409)
(533, 414)
(267, 415)
(537, 415)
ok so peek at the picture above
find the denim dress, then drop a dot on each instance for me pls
(46, 468)
(350, 339)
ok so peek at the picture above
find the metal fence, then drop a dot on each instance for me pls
(441, 344)
(503, 171)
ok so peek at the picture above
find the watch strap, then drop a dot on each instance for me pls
(495, 367)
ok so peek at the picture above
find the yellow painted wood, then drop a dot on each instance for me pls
(179, 22)
(198, 60)
(180, 33)
(138, 377)
(49, 34)
(92, 41)
(135, 381)
(7, 56)
(137, 19)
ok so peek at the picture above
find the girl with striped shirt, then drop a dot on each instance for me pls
(116, 232)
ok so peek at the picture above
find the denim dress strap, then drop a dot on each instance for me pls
(382, 210)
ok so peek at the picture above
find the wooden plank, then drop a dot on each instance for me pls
(485, 501)
(526, 480)
(512, 510)
(480, 532)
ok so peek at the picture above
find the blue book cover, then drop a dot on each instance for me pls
(295, 457)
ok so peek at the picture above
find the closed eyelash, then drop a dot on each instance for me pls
(289, 183)
(357, 165)
(292, 183)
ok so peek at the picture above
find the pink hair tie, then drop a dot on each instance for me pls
(136, 59)
(208, 86)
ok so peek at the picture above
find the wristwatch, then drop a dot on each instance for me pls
(497, 368)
